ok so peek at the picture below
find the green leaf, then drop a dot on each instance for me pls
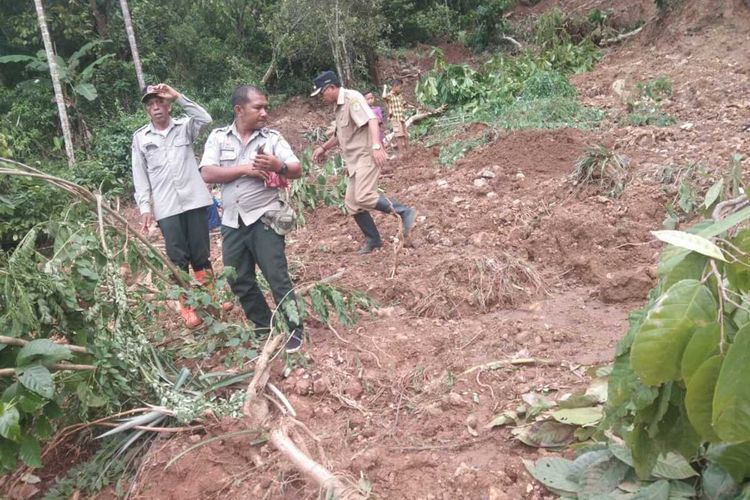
(690, 266)
(579, 416)
(14, 58)
(681, 489)
(718, 484)
(691, 242)
(700, 395)
(658, 346)
(38, 379)
(725, 224)
(733, 458)
(545, 434)
(731, 404)
(703, 344)
(30, 451)
(87, 90)
(8, 454)
(553, 472)
(601, 477)
(672, 466)
(42, 350)
(713, 193)
(9, 418)
(655, 491)
(42, 427)
(643, 451)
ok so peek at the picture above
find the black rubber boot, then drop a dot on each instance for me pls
(370, 230)
(408, 215)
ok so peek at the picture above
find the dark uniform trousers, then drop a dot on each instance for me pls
(186, 239)
(246, 247)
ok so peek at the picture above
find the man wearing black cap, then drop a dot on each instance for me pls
(168, 185)
(358, 135)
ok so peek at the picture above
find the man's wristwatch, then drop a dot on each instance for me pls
(284, 169)
(376, 146)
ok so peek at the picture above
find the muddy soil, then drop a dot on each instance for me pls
(509, 258)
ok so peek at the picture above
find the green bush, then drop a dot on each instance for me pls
(543, 84)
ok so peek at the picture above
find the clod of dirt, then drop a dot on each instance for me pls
(320, 385)
(626, 285)
(353, 389)
(366, 461)
(302, 387)
(454, 399)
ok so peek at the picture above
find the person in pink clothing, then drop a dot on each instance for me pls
(370, 98)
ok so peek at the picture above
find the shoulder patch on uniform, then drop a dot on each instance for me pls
(356, 106)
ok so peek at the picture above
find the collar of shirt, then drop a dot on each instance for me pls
(261, 131)
(164, 132)
(342, 98)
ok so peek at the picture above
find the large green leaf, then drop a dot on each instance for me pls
(86, 90)
(38, 379)
(733, 458)
(672, 466)
(718, 484)
(700, 396)
(14, 58)
(554, 473)
(9, 417)
(703, 344)
(579, 416)
(655, 491)
(643, 451)
(30, 451)
(42, 350)
(690, 266)
(692, 242)
(601, 477)
(545, 434)
(731, 404)
(658, 347)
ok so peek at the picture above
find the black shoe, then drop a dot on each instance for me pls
(370, 230)
(408, 215)
(369, 246)
(294, 343)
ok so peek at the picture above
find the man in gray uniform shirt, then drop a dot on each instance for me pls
(245, 158)
(168, 184)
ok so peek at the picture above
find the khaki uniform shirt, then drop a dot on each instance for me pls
(352, 115)
(246, 197)
(164, 166)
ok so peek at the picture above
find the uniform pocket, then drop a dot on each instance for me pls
(155, 156)
(227, 157)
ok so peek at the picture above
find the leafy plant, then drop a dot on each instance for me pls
(677, 382)
(325, 184)
(645, 108)
(601, 166)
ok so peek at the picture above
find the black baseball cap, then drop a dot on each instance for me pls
(323, 79)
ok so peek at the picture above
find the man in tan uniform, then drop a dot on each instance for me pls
(358, 135)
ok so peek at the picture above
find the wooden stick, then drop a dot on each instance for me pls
(21, 342)
(494, 365)
(8, 372)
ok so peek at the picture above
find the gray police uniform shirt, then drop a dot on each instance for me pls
(246, 197)
(165, 170)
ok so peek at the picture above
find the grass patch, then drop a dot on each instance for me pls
(602, 167)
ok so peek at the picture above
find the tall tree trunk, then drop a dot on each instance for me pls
(55, 76)
(133, 45)
(100, 18)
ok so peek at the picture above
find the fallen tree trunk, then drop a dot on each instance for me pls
(415, 119)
